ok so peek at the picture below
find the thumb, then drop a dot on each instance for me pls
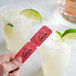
(14, 64)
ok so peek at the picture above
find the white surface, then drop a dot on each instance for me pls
(32, 67)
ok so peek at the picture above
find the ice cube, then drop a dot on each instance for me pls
(8, 15)
(19, 22)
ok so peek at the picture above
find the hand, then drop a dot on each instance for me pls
(9, 66)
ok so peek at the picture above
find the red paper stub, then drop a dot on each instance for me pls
(41, 35)
(36, 41)
(26, 51)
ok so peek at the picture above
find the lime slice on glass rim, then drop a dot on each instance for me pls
(33, 14)
(29, 13)
(68, 36)
(8, 29)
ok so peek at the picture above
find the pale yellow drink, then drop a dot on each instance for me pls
(18, 25)
(55, 57)
(17, 35)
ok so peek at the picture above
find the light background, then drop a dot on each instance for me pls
(33, 65)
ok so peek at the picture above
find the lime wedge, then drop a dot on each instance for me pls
(68, 34)
(59, 33)
(33, 14)
(8, 29)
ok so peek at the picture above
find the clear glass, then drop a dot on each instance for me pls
(55, 57)
(71, 15)
(21, 29)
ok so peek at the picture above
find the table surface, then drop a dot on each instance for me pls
(32, 67)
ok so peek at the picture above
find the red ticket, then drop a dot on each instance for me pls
(41, 35)
(26, 51)
(36, 41)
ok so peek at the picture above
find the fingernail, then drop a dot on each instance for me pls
(19, 59)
